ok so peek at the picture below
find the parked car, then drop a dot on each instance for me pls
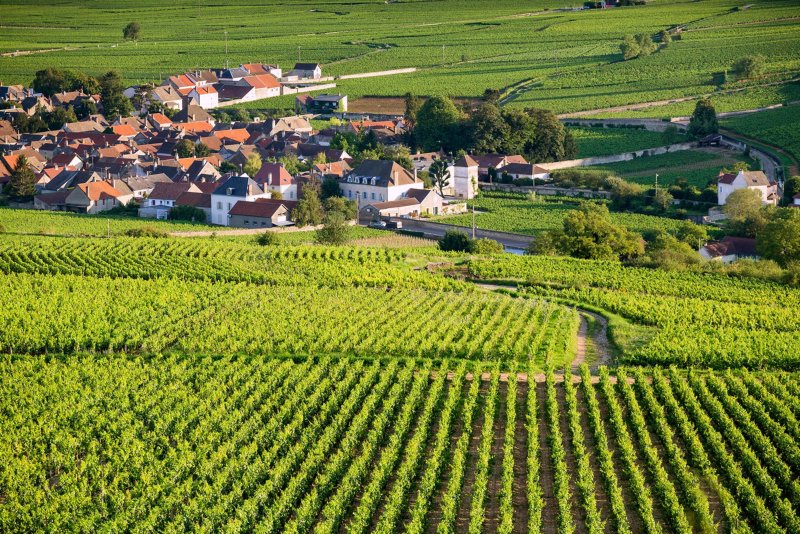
(377, 224)
(394, 225)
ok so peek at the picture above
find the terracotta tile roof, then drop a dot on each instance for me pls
(239, 135)
(160, 118)
(99, 190)
(466, 161)
(262, 81)
(193, 127)
(198, 200)
(170, 190)
(740, 246)
(273, 174)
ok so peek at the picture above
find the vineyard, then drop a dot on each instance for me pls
(542, 54)
(338, 445)
(691, 319)
(777, 127)
(594, 142)
(509, 212)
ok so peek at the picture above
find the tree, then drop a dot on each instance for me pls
(252, 165)
(291, 163)
(704, 119)
(276, 195)
(336, 231)
(492, 96)
(664, 37)
(750, 66)
(341, 205)
(780, 238)
(330, 188)
(548, 141)
(488, 129)
(241, 115)
(50, 81)
(309, 210)
(746, 213)
(630, 48)
(590, 234)
(21, 184)
(185, 148)
(399, 154)
(413, 103)
(661, 199)
(115, 104)
(439, 125)
(692, 234)
(131, 31)
(791, 187)
(455, 241)
(201, 150)
(624, 195)
(646, 45)
(439, 175)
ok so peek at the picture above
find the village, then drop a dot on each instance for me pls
(172, 159)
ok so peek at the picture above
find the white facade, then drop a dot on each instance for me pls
(366, 192)
(221, 205)
(206, 98)
(724, 189)
(465, 179)
(288, 192)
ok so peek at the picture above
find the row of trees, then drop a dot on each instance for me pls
(438, 124)
(51, 81)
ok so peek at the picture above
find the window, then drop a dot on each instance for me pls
(349, 194)
(373, 196)
(219, 205)
(229, 206)
(365, 195)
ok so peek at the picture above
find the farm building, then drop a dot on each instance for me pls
(754, 180)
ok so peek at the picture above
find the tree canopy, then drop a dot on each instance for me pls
(780, 238)
(21, 184)
(704, 119)
(131, 31)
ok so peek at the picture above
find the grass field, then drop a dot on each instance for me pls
(565, 61)
(698, 167)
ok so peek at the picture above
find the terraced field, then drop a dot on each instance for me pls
(543, 56)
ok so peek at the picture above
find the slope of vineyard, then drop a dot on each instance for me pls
(697, 319)
(165, 444)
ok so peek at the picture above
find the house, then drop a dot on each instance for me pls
(795, 201)
(263, 213)
(264, 85)
(142, 186)
(430, 202)
(168, 96)
(378, 181)
(496, 162)
(51, 201)
(335, 168)
(95, 197)
(395, 208)
(201, 201)
(67, 179)
(729, 249)
(205, 96)
(320, 103)
(273, 177)
(288, 125)
(193, 113)
(465, 177)
(163, 197)
(231, 191)
(159, 121)
(517, 171)
(754, 180)
(67, 98)
(262, 68)
(306, 71)
(12, 93)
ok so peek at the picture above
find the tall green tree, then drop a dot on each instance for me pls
(791, 187)
(488, 129)
(309, 210)
(185, 148)
(335, 231)
(252, 165)
(780, 238)
(115, 104)
(21, 184)
(630, 48)
(704, 119)
(746, 213)
(439, 125)
(646, 44)
(439, 175)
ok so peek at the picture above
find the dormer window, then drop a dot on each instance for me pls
(372, 182)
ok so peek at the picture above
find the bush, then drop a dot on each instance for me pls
(486, 246)
(523, 182)
(187, 213)
(267, 239)
(335, 231)
(145, 231)
(455, 241)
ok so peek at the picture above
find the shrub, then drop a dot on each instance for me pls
(455, 241)
(145, 231)
(486, 246)
(187, 213)
(267, 239)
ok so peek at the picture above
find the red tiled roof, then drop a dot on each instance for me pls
(256, 209)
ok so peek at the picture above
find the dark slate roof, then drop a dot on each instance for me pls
(387, 172)
(239, 186)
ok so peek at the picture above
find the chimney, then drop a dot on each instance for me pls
(415, 174)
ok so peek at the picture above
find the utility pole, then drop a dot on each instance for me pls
(473, 219)
(298, 53)
(656, 182)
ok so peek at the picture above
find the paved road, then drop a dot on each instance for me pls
(437, 230)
